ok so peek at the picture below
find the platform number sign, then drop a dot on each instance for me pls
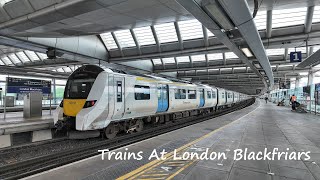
(295, 56)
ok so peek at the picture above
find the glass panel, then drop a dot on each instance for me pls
(315, 49)
(124, 38)
(316, 14)
(210, 34)
(156, 61)
(168, 60)
(261, 20)
(144, 36)
(183, 59)
(32, 56)
(108, 41)
(6, 60)
(190, 29)
(22, 57)
(197, 58)
(141, 92)
(272, 52)
(1, 63)
(42, 56)
(288, 17)
(215, 56)
(166, 33)
(14, 58)
(230, 55)
(302, 49)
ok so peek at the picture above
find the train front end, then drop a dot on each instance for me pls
(79, 100)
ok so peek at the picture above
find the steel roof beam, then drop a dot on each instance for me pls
(308, 20)
(176, 26)
(154, 33)
(269, 24)
(135, 41)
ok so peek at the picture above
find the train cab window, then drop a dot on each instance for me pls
(209, 94)
(214, 95)
(180, 93)
(141, 92)
(192, 94)
(119, 91)
(78, 88)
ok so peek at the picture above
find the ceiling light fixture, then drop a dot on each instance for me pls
(215, 11)
(247, 52)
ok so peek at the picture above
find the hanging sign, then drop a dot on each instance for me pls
(295, 56)
(20, 85)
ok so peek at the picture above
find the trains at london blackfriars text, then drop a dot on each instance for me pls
(100, 100)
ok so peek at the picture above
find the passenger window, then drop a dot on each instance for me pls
(192, 94)
(180, 93)
(141, 92)
(119, 91)
(214, 95)
(209, 94)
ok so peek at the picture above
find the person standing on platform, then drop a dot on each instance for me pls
(266, 98)
(293, 100)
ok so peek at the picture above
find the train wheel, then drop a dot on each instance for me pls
(110, 131)
(139, 125)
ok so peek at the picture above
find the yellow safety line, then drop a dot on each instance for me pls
(154, 163)
(180, 170)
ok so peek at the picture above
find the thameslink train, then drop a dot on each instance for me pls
(101, 100)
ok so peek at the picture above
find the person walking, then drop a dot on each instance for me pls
(266, 98)
(293, 100)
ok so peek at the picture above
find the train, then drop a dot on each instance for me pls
(105, 101)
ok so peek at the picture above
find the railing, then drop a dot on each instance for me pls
(310, 105)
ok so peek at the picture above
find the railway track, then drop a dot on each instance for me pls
(42, 163)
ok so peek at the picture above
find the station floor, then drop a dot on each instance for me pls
(256, 127)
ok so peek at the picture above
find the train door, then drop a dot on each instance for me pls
(119, 95)
(163, 98)
(202, 101)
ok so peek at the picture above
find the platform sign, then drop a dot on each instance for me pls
(295, 56)
(20, 85)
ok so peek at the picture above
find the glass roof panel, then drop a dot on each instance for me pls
(14, 58)
(42, 55)
(1, 63)
(6, 60)
(144, 36)
(288, 17)
(230, 55)
(183, 59)
(261, 20)
(197, 58)
(108, 41)
(273, 52)
(60, 70)
(156, 61)
(32, 55)
(302, 49)
(22, 56)
(215, 56)
(166, 33)
(125, 38)
(168, 60)
(316, 14)
(190, 29)
(210, 34)
(315, 48)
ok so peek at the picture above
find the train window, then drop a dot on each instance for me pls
(180, 93)
(214, 94)
(119, 91)
(222, 95)
(209, 94)
(78, 88)
(192, 94)
(141, 92)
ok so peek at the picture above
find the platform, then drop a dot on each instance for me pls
(16, 130)
(256, 127)
(20, 108)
